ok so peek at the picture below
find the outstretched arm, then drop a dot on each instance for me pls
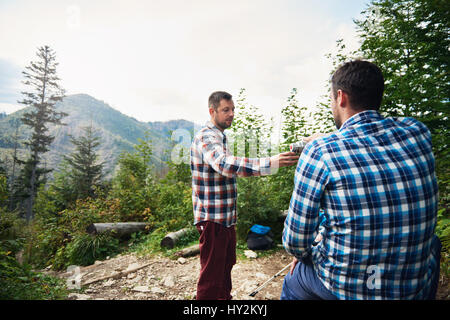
(228, 165)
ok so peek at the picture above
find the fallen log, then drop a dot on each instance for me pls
(118, 229)
(172, 238)
(117, 274)
(188, 252)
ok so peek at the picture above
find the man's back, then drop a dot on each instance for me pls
(375, 180)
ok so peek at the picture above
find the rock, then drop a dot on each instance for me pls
(181, 260)
(79, 296)
(131, 275)
(157, 290)
(133, 266)
(109, 283)
(169, 282)
(268, 296)
(134, 280)
(248, 286)
(250, 254)
(142, 289)
(260, 275)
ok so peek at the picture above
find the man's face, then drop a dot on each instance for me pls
(224, 115)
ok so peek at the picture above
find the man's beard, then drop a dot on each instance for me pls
(223, 125)
(337, 120)
(338, 123)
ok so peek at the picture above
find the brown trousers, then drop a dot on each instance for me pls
(217, 257)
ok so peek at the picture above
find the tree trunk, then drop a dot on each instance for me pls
(30, 203)
(190, 251)
(172, 238)
(118, 229)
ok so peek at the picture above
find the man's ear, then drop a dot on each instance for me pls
(342, 99)
(211, 111)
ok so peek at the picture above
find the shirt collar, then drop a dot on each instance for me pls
(211, 125)
(364, 117)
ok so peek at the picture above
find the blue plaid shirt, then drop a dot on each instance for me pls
(375, 181)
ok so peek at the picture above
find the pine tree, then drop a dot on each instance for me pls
(45, 92)
(85, 171)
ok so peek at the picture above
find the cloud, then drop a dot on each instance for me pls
(160, 60)
(10, 77)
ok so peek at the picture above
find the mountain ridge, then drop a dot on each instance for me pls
(118, 132)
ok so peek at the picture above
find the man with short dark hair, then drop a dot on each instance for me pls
(374, 178)
(214, 170)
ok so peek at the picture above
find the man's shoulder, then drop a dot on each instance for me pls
(320, 144)
(204, 132)
(411, 123)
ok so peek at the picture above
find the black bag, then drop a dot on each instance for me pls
(257, 241)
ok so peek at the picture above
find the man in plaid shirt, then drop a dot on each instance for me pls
(214, 170)
(375, 181)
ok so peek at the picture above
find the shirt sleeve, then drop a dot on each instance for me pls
(224, 163)
(302, 222)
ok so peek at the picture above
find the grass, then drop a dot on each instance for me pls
(150, 244)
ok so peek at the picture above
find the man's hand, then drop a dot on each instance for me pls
(284, 159)
(293, 264)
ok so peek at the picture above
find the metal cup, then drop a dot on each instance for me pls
(297, 147)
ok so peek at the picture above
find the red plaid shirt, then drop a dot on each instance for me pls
(214, 170)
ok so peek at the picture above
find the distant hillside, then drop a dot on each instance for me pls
(118, 132)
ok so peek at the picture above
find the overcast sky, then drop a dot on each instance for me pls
(159, 60)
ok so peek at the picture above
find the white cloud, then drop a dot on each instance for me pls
(160, 60)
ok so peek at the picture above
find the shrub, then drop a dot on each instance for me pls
(85, 249)
(19, 282)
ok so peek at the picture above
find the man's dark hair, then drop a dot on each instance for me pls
(215, 97)
(362, 81)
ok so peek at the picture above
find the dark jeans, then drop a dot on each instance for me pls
(304, 284)
(217, 257)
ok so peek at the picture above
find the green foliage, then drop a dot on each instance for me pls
(135, 168)
(11, 225)
(19, 282)
(85, 249)
(409, 41)
(3, 190)
(151, 243)
(250, 136)
(85, 171)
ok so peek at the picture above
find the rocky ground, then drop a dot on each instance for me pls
(162, 278)
(129, 277)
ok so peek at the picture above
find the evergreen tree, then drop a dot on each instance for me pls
(3, 184)
(85, 171)
(45, 92)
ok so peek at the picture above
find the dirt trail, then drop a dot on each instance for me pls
(161, 278)
(166, 279)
